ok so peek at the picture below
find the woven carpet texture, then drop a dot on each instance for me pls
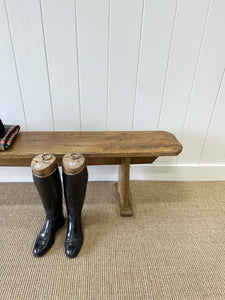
(173, 247)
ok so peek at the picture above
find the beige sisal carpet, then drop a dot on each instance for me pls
(173, 247)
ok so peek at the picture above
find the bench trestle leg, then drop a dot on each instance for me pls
(123, 189)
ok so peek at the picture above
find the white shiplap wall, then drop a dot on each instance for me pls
(119, 65)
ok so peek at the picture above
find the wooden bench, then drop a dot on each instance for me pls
(121, 148)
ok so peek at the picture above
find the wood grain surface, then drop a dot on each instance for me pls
(98, 147)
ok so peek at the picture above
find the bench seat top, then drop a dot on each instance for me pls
(94, 145)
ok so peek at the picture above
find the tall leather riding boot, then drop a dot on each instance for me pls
(47, 181)
(75, 177)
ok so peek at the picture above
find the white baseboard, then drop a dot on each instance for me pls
(138, 172)
(178, 173)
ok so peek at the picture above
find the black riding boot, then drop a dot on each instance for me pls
(75, 177)
(47, 181)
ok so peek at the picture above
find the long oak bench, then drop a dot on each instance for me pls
(121, 148)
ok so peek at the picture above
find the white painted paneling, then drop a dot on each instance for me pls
(11, 106)
(155, 45)
(119, 65)
(187, 39)
(61, 47)
(27, 35)
(92, 26)
(206, 85)
(188, 32)
(124, 35)
(214, 147)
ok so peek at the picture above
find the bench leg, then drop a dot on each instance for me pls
(123, 189)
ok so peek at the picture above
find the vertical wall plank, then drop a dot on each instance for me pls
(60, 35)
(27, 35)
(11, 107)
(92, 26)
(206, 85)
(157, 30)
(125, 29)
(214, 147)
(188, 32)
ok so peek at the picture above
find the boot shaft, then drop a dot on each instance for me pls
(47, 181)
(75, 190)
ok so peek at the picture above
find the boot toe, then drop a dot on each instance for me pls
(42, 245)
(40, 250)
(73, 247)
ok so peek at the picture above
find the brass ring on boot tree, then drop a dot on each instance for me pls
(73, 163)
(43, 165)
(75, 155)
(46, 156)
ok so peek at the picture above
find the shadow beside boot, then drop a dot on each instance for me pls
(75, 177)
(47, 181)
